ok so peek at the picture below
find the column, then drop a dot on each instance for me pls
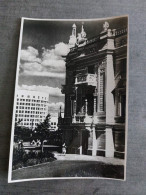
(94, 112)
(110, 107)
(110, 85)
(81, 142)
(90, 142)
(74, 111)
(86, 109)
(86, 104)
(94, 145)
(95, 109)
(109, 143)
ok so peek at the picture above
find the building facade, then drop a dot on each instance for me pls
(54, 123)
(95, 93)
(31, 107)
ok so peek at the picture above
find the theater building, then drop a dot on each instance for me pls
(95, 93)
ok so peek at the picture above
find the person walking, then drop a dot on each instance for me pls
(64, 149)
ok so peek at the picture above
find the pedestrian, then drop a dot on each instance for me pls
(64, 149)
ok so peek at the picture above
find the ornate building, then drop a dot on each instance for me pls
(95, 93)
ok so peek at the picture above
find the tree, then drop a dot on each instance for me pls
(21, 132)
(42, 131)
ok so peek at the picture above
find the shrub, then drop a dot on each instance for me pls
(31, 162)
(22, 159)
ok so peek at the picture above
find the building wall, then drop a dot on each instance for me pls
(53, 123)
(31, 107)
(96, 94)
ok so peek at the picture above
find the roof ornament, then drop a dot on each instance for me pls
(83, 33)
(105, 26)
(81, 38)
(72, 40)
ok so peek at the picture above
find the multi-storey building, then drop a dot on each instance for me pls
(95, 93)
(31, 107)
(54, 123)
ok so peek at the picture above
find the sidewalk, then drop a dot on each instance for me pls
(76, 157)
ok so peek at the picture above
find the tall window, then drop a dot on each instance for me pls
(101, 89)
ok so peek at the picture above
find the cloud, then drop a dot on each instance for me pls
(53, 91)
(50, 63)
(54, 65)
(32, 66)
(61, 49)
(55, 107)
(30, 55)
(44, 74)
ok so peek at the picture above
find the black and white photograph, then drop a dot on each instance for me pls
(71, 100)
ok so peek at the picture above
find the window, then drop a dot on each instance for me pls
(120, 105)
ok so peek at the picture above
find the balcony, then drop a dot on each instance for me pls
(88, 79)
(121, 31)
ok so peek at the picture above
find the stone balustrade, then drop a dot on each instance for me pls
(89, 79)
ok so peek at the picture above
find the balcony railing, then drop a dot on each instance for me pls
(89, 79)
(82, 119)
(120, 31)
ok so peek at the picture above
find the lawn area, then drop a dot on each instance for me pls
(61, 168)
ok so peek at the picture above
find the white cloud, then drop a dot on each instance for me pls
(50, 64)
(32, 66)
(44, 74)
(55, 107)
(61, 49)
(30, 55)
(54, 65)
(54, 91)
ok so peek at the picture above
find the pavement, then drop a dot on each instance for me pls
(77, 157)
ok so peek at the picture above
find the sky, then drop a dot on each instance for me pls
(42, 67)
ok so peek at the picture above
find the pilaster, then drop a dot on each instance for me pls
(109, 143)
(110, 84)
